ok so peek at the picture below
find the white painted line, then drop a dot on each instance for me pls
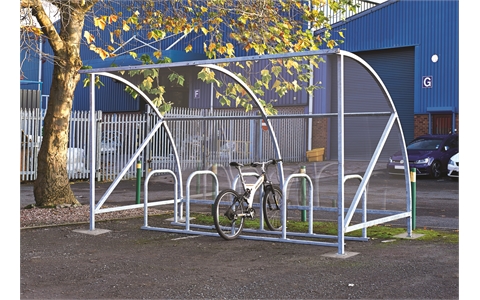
(186, 237)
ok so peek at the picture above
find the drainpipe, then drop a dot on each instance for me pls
(310, 111)
(310, 98)
(211, 97)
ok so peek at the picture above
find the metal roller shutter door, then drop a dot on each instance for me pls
(395, 68)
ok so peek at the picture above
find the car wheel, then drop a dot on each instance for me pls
(436, 171)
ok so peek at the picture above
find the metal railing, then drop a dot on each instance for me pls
(201, 142)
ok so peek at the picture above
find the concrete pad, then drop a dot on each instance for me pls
(405, 236)
(92, 232)
(336, 255)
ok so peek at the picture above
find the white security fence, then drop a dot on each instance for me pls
(200, 141)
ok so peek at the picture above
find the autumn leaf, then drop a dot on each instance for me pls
(112, 19)
(89, 37)
(125, 26)
(331, 44)
(99, 22)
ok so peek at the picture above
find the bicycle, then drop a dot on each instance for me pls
(231, 207)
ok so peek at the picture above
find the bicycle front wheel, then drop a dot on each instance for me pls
(272, 203)
(228, 214)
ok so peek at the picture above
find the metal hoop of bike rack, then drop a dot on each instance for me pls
(164, 202)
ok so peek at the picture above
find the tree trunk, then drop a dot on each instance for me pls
(52, 186)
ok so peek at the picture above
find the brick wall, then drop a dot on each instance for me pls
(421, 124)
(319, 132)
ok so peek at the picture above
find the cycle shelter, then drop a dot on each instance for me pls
(353, 107)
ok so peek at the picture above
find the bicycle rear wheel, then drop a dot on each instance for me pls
(226, 208)
(272, 204)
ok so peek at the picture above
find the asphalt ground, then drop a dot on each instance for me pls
(437, 208)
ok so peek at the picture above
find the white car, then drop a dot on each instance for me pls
(453, 164)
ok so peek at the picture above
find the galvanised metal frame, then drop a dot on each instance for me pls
(343, 220)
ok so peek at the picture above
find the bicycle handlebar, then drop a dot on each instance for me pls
(271, 161)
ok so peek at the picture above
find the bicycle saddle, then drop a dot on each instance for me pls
(236, 164)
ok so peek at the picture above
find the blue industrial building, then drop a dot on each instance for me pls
(413, 46)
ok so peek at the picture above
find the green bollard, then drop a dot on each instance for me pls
(139, 181)
(214, 192)
(413, 181)
(304, 193)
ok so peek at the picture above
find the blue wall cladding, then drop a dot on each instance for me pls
(30, 65)
(431, 27)
(202, 93)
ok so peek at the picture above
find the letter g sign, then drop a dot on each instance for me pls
(427, 81)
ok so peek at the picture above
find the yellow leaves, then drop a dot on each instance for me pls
(157, 54)
(204, 30)
(188, 29)
(112, 19)
(230, 49)
(125, 26)
(298, 46)
(331, 44)
(188, 48)
(89, 37)
(212, 47)
(276, 70)
(117, 32)
(100, 22)
(318, 2)
(243, 19)
(290, 63)
(133, 54)
(276, 84)
(147, 83)
(35, 30)
(102, 53)
(266, 77)
(208, 76)
(156, 34)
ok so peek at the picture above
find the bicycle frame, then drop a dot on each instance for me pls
(250, 189)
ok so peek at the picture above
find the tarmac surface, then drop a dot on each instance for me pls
(123, 261)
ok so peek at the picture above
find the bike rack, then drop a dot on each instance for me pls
(285, 236)
(163, 202)
(187, 201)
